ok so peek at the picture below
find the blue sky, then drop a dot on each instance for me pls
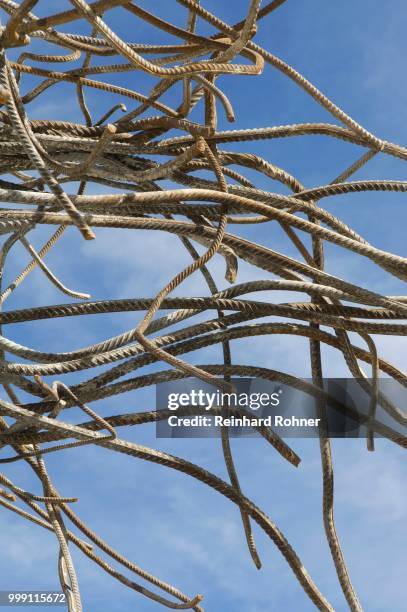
(167, 523)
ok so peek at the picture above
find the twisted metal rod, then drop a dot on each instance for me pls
(38, 157)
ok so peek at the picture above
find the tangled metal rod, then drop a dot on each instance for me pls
(138, 155)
